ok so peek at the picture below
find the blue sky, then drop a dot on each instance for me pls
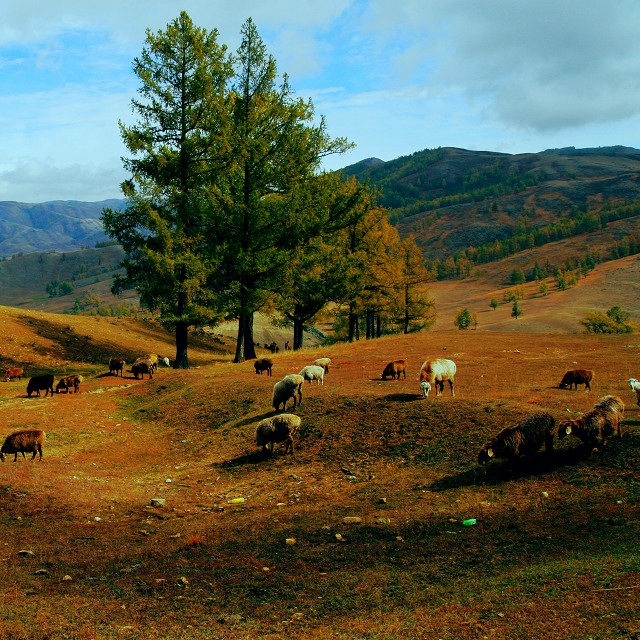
(392, 76)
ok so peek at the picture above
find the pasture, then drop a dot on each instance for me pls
(359, 535)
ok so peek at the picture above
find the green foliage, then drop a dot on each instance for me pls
(57, 288)
(516, 311)
(615, 320)
(543, 288)
(463, 319)
(494, 303)
(517, 277)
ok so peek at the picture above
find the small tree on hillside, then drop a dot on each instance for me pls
(494, 304)
(516, 312)
(463, 318)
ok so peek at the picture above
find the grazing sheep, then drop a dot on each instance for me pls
(577, 376)
(615, 407)
(68, 382)
(289, 387)
(593, 428)
(324, 363)
(263, 364)
(312, 372)
(13, 373)
(40, 383)
(438, 371)
(523, 438)
(142, 366)
(21, 441)
(280, 428)
(115, 365)
(425, 387)
(152, 358)
(394, 369)
(635, 385)
(165, 361)
(287, 346)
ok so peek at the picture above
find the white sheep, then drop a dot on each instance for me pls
(312, 372)
(425, 387)
(280, 428)
(289, 387)
(437, 371)
(635, 385)
(324, 363)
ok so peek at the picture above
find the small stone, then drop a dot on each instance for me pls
(382, 501)
(158, 502)
(290, 541)
(26, 552)
(97, 518)
(176, 535)
(351, 520)
(182, 581)
(544, 494)
(67, 578)
(383, 521)
(339, 537)
(42, 572)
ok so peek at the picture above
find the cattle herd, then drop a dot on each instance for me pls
(523, 438)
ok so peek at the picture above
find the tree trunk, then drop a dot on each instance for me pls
(298, 334)
(378, 326)
(245, 349)
(406, 309)
(353, 325)
(182, 333)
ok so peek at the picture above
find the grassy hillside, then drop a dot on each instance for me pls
(358, 535)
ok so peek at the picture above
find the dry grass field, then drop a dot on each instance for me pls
(84, 554)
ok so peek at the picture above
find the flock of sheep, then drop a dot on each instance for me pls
(524, 438)
(31, 441)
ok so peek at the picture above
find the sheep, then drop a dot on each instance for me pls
(287, 346)
(68, 382)
(40, 383)
(523, 438)
(614, 406)
(115, 365)
(13, 373)
(577, 376)
(165, 361)
(425, 387)
(438, 371)
(152, 358)
(289, 387)
(263, 364)
(21, 441)
(324, 363)
(394, 369)
(635, 386)
(312, 372)
(593, 428)
(280, 428)
(142, 366)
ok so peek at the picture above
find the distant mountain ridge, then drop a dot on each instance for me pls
(51, 226)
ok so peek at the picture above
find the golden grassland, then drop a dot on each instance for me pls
(554, 552)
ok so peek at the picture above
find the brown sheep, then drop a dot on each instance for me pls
(593, 428)
(115, 365)
(577, 376)
(524, 438)
(437, 372)
(615, 407)
(13, 373)
(142, 366)
(21, 441)
(40, 383)
(68, 382)
(280, 428)
(263, 364)
(394, 369)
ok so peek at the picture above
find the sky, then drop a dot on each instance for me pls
(392, 76)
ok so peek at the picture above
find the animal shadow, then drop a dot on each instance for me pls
(403, 397)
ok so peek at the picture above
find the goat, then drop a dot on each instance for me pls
(21, 441)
